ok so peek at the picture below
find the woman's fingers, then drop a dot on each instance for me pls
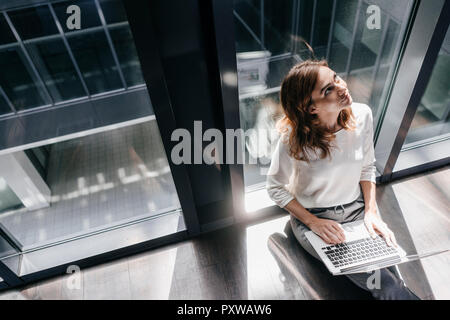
(325, 238)
(394, 241)
(387, 234)
(339, 231)
(332, 236)
(391, 238)
(370, 229)
(330, 231)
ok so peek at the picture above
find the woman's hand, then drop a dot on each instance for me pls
(375, 225)
(330, 231)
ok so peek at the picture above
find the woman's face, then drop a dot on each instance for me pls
(330, 95)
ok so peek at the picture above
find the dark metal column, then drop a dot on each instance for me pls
(226, 56)
(140, 16)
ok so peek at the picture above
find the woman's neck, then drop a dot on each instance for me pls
(330, 122)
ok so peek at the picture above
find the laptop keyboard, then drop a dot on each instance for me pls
(347, 253)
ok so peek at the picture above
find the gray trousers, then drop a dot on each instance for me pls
(390, 286)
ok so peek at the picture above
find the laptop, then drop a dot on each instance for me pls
(360, 253)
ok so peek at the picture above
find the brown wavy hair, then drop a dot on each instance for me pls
(306, 134)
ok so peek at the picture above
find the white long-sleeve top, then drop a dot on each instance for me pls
(326, 182)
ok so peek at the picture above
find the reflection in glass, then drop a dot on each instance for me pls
(341, 43)
(319, 34)
(432, 116)
(8, 199)
(269, 41)
(127, 55)
(88, 12)
(5, 248)
(33, 22)
(97, 182)
(6, 35)
(277, 27)
(16, 81)
(367, 42)
(248, 15)
(4, 107)
(9, 255)
(56, 68)
(246, 41)
(113, 11)
(94, 57)
(259, 115)
(380, 75)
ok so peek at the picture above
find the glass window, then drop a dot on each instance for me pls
(319, 39)
(277, 28)
(15, 79)
(342, 33)
(6, 35)
(381, 70)
(9, 255)
(269, 41)
(33, 22)
(4, 107)
(97, 182)
(113, 11)
(8, 199)
(94, 57)
(88, 13)
(246, 40)
(127, 55)
(248, 12)
(431, 120)
(110, 183)
(56, 68)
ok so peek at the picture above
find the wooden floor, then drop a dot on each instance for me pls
(260, 261)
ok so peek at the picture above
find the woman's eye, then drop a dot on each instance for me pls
(328, 90)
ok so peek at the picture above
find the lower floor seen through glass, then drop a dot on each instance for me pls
(97, 182)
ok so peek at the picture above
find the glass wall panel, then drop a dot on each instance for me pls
(88, 10)
(56, 69)
(46, 60)
(113, 11)
(93, 55)
(8, 199)
(270, 39)
(4, 107)
(9, 255)
(15, 78)
(277, 24)
(249, 14)
(127, 55)
(381, 70)
(246, 39)
(319, 35)
(98, 182)
(341, 43)
(431, 120)
(102, 159)
(33, 22)
(6, 35)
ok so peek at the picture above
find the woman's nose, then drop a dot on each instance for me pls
(341, 87)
